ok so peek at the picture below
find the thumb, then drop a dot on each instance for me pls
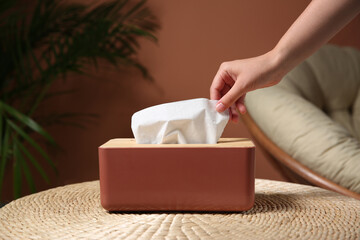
(230, 97)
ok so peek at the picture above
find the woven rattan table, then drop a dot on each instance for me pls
(281, 211)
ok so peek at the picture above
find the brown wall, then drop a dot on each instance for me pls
(196, 36)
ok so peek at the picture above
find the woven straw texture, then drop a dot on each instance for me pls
(281, 211)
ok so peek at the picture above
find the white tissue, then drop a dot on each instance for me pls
(189, 121)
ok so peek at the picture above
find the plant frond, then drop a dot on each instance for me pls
(41, 44)
(31, 141)
(5, 152)
(34, 162)
(17, 164)
(26, 121)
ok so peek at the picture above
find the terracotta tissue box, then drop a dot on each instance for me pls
(177, 177)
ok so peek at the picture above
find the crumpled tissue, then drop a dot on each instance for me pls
(183, 122)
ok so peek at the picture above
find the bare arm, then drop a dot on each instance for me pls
(319, 22)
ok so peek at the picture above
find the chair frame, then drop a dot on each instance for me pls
(290, 168)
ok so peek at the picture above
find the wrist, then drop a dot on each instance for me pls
(279, 62)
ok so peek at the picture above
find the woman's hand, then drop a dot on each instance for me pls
(234, 79)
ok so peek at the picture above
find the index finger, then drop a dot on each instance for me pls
(216, 86)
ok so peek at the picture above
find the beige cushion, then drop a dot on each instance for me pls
(313, 114)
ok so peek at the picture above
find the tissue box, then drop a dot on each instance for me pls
(177, 177)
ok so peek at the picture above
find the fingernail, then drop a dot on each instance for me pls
(220, 107)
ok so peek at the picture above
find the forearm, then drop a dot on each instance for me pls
(320, 21)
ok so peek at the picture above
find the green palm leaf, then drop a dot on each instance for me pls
(34, 162)
(4, 155)
(26, 170)
(40, 44)
(26, 121)
(28, 176)
(31, 141)
(17, 164)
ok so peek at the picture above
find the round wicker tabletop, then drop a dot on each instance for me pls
(281, 211)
